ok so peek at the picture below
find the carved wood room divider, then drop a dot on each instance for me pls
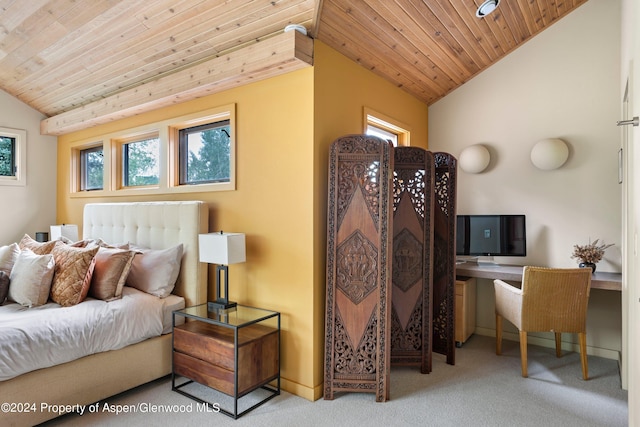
(444, 267)
(390, 262)
(413, 207)
(358, 300)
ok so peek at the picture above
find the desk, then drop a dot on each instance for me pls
(599, 280)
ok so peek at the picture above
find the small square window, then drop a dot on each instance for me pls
(382, 133)
(377, 124)
(91, 169)
(140, 162)
(205, 153)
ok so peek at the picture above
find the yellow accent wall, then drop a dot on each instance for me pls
(285, 126)
(342, 89)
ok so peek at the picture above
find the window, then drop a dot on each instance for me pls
(377, 124)
(188, 154)
(205, 155)
(13, 159)
(91, 169)
(7, 156)
(382, 133)
(140, 162)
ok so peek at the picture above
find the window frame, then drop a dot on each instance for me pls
(225, 112)
(167, 132)
(387, 124)
(183, 157)
(20, 157)
(83, 178)
(122, 145)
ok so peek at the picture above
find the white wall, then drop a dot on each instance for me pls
(564, 83)
(33, 207)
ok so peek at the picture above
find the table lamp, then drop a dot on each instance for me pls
(68, 231)
(222, 249)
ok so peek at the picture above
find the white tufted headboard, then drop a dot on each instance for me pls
(156, 225)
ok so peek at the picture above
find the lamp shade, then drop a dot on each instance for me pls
(549, 154)
(222, 248)
(68, 231)
(474, 159)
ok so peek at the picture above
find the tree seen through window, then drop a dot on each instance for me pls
(7, 156)
(205, 153)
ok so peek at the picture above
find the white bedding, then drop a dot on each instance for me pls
(40, 337)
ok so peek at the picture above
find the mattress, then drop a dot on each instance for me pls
(48, 335)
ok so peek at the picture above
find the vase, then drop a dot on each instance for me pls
(588, 265)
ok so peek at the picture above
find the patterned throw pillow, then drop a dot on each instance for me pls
(36, 247)
(73, 271)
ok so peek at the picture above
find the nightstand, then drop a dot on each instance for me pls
(235, 351)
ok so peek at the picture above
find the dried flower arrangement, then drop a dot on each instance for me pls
(593, 252)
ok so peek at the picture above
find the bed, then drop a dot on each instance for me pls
(155, 225)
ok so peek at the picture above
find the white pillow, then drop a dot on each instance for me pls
(30, 280)
(8, 256)
(155, 271)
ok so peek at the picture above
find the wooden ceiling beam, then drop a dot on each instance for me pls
(277, 55)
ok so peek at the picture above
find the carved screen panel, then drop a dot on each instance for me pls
(444, 267)
(357, 348)
(412, 258)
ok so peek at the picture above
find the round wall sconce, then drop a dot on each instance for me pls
(549, 154)
(474, 159)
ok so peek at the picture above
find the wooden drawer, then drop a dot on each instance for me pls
(205, 373)
(205, 353)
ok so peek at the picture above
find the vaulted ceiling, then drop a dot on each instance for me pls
(62, 55)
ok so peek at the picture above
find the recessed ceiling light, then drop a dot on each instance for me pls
(487, 7)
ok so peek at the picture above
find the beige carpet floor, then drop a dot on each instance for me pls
(482, 389)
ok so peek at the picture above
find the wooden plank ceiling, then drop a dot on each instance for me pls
(60, 55)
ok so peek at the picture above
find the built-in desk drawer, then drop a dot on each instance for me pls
(465, 313)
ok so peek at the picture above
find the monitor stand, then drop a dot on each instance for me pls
(461, 259)
(487, 261)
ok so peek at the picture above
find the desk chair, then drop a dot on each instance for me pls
(551, 300)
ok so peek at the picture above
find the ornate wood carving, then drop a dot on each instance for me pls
(444, 257)
(358, 300)
(413, 208)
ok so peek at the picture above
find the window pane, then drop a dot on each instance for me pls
(91, 168)
(141, 166)
(205, 153)
(7, 156)
(382, 133)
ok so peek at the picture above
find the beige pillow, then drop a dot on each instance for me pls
(36, 247)
(73, 271)
(30, 278)
(155, 271)
(104, 244)
(110, 273)
(86, 243)
(8, 256)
